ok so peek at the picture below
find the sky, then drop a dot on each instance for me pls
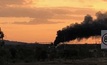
(39, 20)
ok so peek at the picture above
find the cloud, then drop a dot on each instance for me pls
(37, 21)
(25, 12)
(105, 0)
(43, 15)
(14, 2)
(42, 12)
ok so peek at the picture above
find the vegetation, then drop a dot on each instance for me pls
(45, 52)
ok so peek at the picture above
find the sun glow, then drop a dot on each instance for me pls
(100, 6)
(57, 3)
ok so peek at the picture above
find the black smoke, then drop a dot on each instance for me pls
(88, 28)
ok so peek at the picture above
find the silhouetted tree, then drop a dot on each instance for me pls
(1, 38)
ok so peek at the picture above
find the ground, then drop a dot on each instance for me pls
(88, 61)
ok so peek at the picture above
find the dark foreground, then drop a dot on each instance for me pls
(45, 54)
(88, 61)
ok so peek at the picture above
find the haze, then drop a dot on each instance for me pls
(39, 20)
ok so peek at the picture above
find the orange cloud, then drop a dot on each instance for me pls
(14, 2)
(43, 15)
(105, 0)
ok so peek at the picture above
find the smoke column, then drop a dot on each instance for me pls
(88, 28)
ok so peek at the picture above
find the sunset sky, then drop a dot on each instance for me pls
(39, 20)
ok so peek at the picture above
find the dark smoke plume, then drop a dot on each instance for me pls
(88, 28)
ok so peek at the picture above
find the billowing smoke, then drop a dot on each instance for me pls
(88, 28)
